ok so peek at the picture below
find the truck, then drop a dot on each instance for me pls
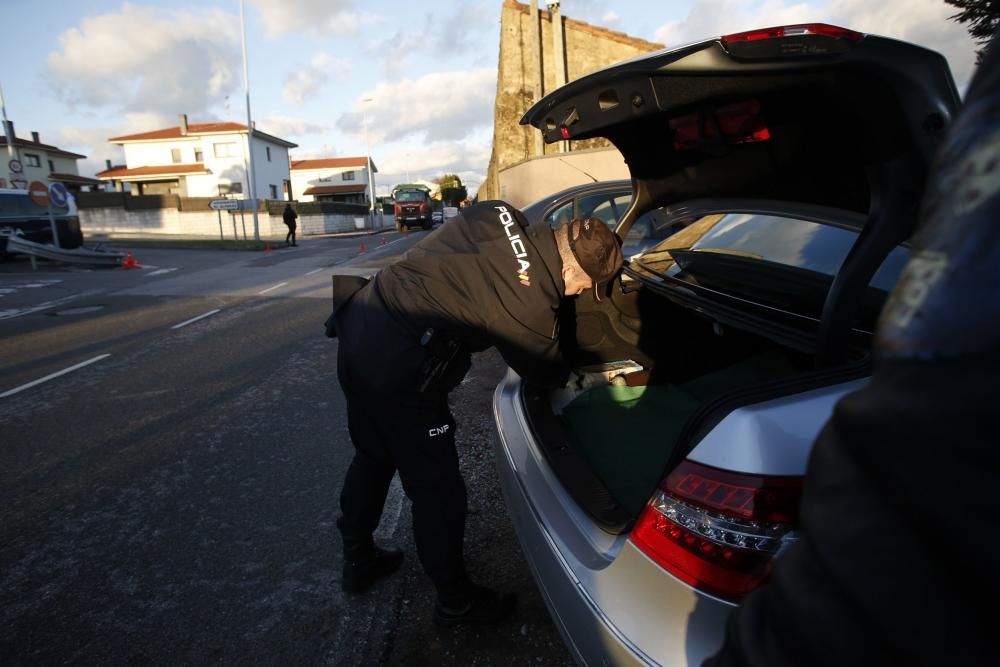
(413, 206)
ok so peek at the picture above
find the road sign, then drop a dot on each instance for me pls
(39, 193)
(224, 204)
(19, 183)
(15, 166)
(58, 194)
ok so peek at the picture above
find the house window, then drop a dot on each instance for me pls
(52, 167)
(227, 149)
(348, 175)
(32, 160)
(268, 149)
(175, 155)
(198, 155)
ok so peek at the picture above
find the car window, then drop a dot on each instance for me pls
(411, 196)
(780, 261)
(648, 230)
(608, 207)
(560, 216)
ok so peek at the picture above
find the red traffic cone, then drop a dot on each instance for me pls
(361, 248)
(267, 248)
(130, 262)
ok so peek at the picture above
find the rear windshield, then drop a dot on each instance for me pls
(16, 206)
(412, 195)
(779, 261)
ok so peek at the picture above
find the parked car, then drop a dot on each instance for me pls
(437, 217)
(656, 489)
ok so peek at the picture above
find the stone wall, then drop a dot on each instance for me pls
(587, 48)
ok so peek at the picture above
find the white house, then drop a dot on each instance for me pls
(201, 160)
(41, 162)
(341, 179)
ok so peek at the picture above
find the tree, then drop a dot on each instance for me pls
(983, 17)
(452, 190)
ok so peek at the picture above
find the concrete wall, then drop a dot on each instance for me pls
(587, 48)
(165, 222)
(538, 177)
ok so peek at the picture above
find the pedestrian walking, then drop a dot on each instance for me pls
(290, 216)
(484, 278)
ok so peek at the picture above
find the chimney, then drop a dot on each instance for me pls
(184, 124)
(34, 137)
(107, 163)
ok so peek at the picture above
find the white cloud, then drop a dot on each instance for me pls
(317, 17)
(610, 18)
(923, 22)
(436, 107)
(92, 142)
(287, 126)
(148, 60)
(460, 34)
(308, 79)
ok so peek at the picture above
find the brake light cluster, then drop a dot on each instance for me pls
(822, 29)
(717, 530)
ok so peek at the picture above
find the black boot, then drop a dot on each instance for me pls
(365, 563)
(474, 604)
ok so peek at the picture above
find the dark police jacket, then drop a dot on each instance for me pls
(487, 278)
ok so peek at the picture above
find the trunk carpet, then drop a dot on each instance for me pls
(626, 434)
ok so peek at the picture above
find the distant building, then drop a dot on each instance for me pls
(340, 179)
(43, 162)
(201, 160)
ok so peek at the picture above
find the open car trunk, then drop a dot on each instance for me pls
(644, 392)
(812, 115)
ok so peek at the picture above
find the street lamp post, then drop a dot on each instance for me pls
(368, 160)
(246, 86)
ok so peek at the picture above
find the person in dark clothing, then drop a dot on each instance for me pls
(290, 216)
(900, 540)
(484, 278)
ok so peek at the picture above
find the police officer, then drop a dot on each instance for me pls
(484, 278)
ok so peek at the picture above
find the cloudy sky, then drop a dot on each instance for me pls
(80, 72)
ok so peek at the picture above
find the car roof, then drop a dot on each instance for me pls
(537, 209)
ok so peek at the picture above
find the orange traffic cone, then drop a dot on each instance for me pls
(361, 248)
(130, 262)
(267, 248)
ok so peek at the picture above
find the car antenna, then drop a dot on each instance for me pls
(578, 169)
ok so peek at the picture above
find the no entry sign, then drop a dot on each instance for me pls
(39, 193)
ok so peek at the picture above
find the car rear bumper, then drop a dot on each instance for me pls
(611, 603)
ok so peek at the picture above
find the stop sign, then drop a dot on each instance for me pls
(39, 193)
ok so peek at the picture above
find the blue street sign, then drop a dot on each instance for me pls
(58, 194)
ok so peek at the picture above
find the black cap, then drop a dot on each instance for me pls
(597, 250)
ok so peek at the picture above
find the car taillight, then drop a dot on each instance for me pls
(811, 40)
(718, 530)
(823, 29)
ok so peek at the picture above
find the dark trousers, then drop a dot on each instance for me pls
(394, 429)
(290, 236)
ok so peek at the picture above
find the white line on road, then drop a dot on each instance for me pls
(316, 270)
(9, 314)
(159, 271)
(265, 291)
(11, 392)
(195, 319)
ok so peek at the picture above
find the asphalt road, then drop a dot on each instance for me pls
(169, 495)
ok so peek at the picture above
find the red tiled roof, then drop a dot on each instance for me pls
(195, 130)
(73, 178)
(327, 163)
(51, 150)
(156, 170)
(334, 189)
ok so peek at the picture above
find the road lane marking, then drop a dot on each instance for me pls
(159, 271)
(10, 314)
(265, 291)
(316, 270)
(195, 319)
(33, 383)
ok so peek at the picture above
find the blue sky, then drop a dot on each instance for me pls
(80, 72)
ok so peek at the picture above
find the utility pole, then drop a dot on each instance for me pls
(246, 86)
(368, 159)
(12, 152)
